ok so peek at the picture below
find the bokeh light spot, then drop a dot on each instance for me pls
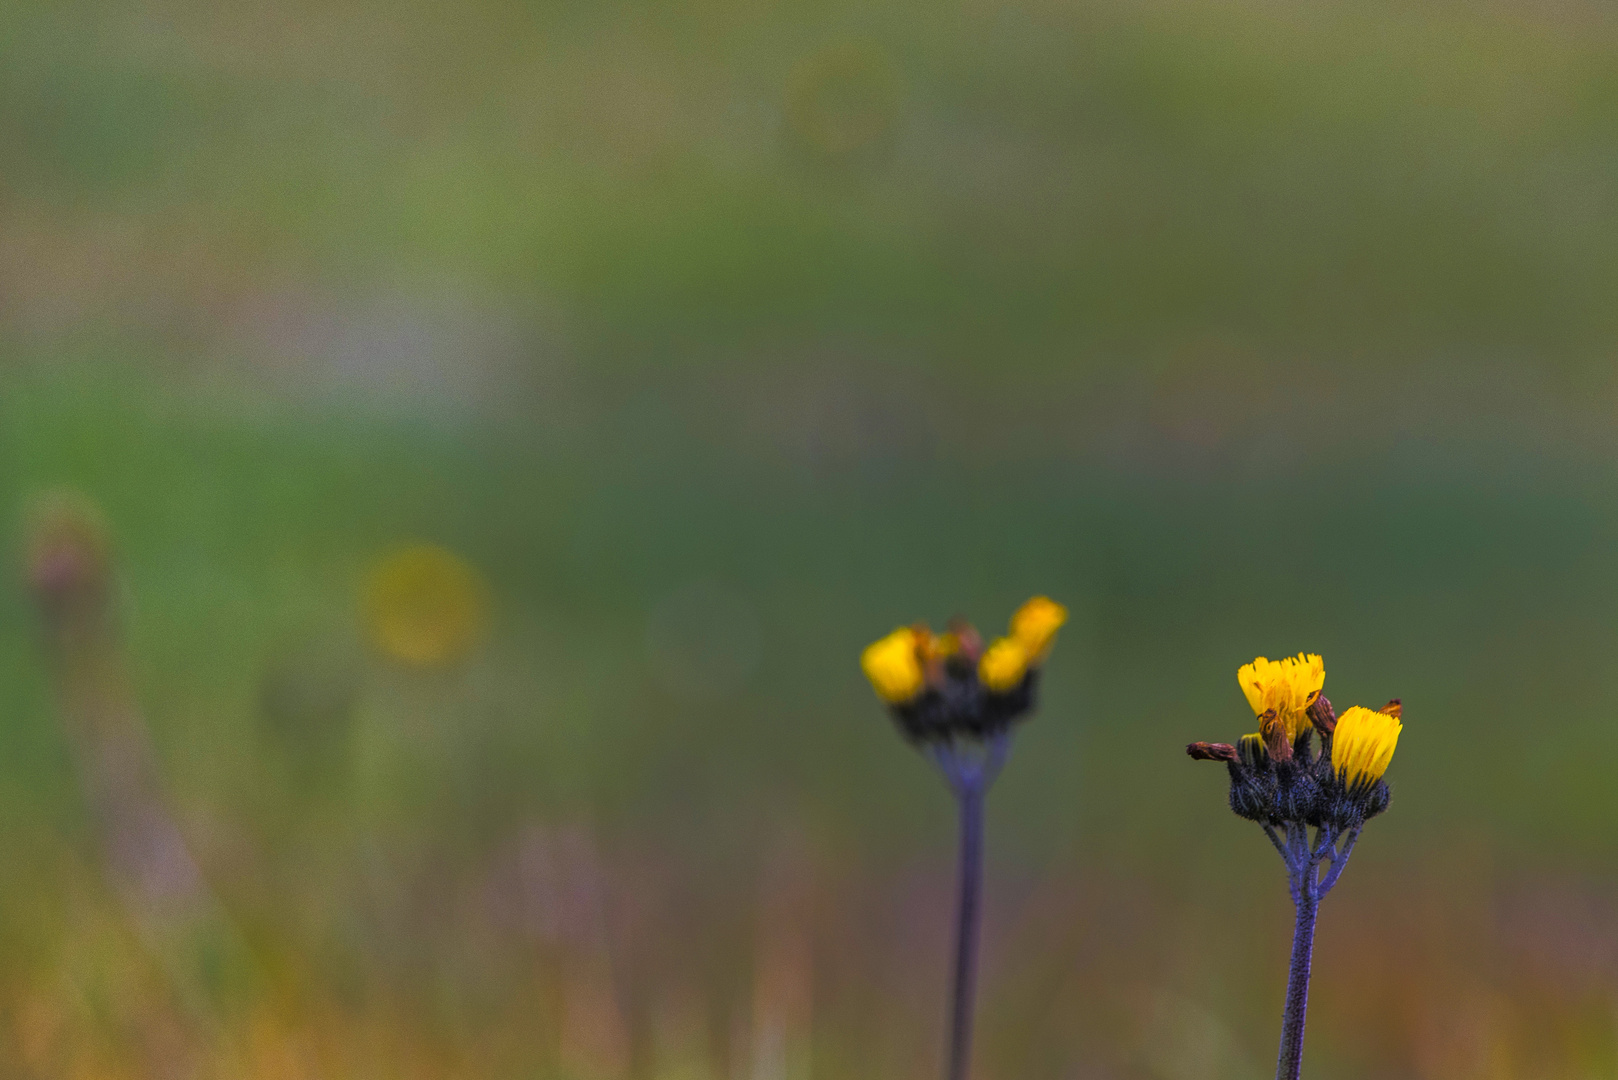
(843, 97)
(425, 606)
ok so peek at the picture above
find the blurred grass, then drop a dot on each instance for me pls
(1061, 179)
(1241, 328)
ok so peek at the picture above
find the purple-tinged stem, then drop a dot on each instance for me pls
(969, 772)
(1290, 1064)
(1339, 859)
(1308, 887)
(967, 921)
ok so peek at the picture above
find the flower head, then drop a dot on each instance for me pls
(943, 687)
(1035, 625)
(1278, 778)
(1363, 745)
(893, 665)
(1287, 686)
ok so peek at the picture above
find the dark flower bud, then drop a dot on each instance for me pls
(1253, 794)
(1298, 794)
(1376, 800)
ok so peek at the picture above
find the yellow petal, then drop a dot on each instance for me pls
(1035, 625)
(1003, 666)
(1363, 745)
(1288, 686)
(893, 667)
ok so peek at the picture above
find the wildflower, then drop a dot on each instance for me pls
(958, 701)
(1278, 780)
(425, 606)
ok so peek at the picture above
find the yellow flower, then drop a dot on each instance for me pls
(425, 606)
(1363, 746)
(1035, 625)
(1003, 666)
(1288, 686)
(893, 667)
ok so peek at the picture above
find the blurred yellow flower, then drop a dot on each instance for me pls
(893, 667)
(1003, 666)
(1363, 745)
(1035, 625)
(425, 606)
(1288, 686)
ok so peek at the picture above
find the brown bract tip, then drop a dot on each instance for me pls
(1322, 715)
(1276, 743)
(971, 641)
(1211, 751)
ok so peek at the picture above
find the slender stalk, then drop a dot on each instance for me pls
(968, 916)
(1290, 1064)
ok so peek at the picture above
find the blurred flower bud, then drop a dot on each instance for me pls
(68, 564)
(893, 666)
(1035, 625)
(1003, 666)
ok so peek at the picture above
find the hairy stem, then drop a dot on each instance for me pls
(1339, 859)
(1290, 1064)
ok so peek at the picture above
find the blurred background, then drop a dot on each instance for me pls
(451, 456)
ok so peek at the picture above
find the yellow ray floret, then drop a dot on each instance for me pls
(893, 666)
(1035, 625)
(1003, 666)
(1363, 745)
(1288, 686)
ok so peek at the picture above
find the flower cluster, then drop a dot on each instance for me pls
(1276, 775)
(941, 687)
(1278, 780)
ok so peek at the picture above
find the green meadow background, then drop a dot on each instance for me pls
(722, 337)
